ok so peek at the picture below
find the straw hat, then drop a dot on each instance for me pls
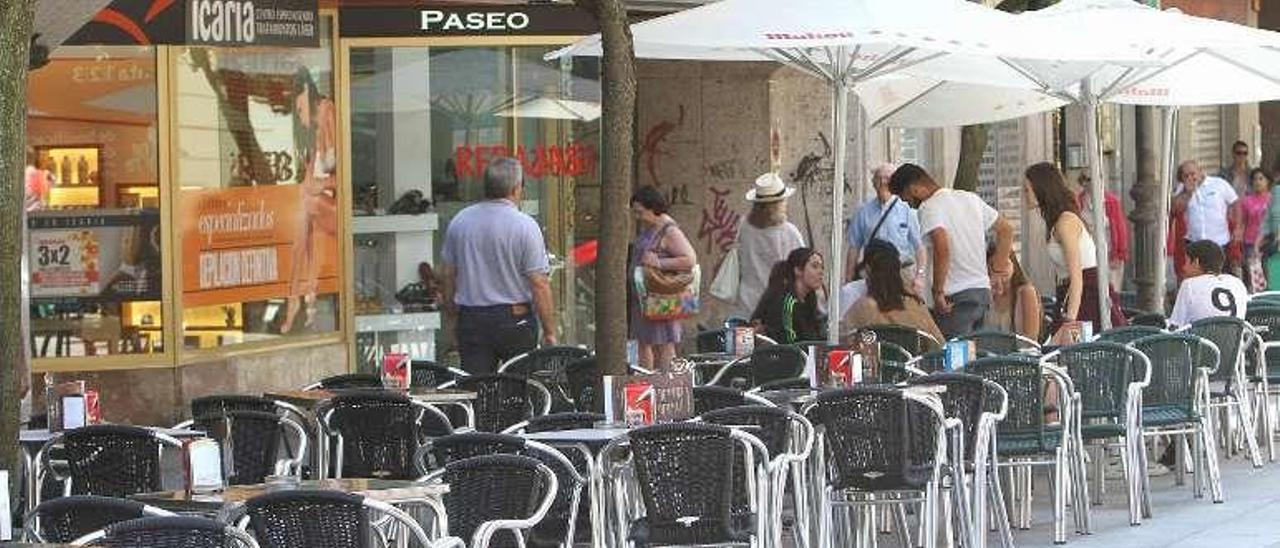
(769, 188)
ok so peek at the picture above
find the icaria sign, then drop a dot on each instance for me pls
(252, 22)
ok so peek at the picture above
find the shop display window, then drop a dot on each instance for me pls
(94, 240)
(256, 168)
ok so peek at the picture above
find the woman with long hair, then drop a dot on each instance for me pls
(662, 245)
(1071, 248)
(764, 239)
(888, 299)
(315, 144)
(788, 310)
(1253, 208)
(1017, 309)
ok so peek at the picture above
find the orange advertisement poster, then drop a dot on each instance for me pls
(251, 244)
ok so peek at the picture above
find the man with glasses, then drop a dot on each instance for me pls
(1238, 172)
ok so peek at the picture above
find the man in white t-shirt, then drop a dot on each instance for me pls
(955, 224)
(1207, 292)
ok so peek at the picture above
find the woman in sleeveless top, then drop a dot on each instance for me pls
(1071, 248)
(663, 245)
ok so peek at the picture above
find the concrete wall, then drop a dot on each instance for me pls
(160, 396)
(707, 130)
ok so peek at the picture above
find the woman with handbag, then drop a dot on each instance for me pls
(664, 265)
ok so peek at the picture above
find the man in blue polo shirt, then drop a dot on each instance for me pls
(886, 217)
(496, 275)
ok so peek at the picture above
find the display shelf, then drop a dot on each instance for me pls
(386, 224)
(414, 321)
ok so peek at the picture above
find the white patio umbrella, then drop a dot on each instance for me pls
(1193, 57)
(847, 42)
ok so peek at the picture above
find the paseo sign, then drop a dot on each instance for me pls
(434, 20)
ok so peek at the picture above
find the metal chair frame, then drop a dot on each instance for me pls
(330, 435)
(1205, 457)
(779, 467)
(850, 500)
(31, 522)
(542, 390)
(1131, 444)
(1263, 389)
(484, 533)
(1067, 460)
(1235, 397)
(238, 537)
(291, 466)
(392, 521)
(618, 471)
(42, 459)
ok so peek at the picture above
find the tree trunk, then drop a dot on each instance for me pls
(973, 142)
(15, 40)
(1147, 248)
(617, 173)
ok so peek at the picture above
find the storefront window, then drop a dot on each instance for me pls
(93, 202)
(257, 169)
(428, 120)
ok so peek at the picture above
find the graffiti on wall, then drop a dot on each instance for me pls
(814, 168)
(718, 228)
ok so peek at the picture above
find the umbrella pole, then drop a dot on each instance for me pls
(1097, 199)
(1168, 137)
(835, 272)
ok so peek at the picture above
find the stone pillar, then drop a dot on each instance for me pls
(1147, 245)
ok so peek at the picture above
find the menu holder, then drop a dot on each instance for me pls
(74, 413)
(202, 463)
(396, 370)
(741, 341)
(638, 400)
(957, 354)
(54, 394)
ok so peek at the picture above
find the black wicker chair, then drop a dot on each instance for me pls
(1109, 377)
(548, 365)
(1128, 333)
(562, 518)
(347, 381)
(767, 363)
(65, 519)
(253, 443)
(915, 341)
(323, 519)
(1264, 368)
(1173, 403)
(1001, 343)
(776, 429)
(585, 385)
(685, 476)
(1229, 388)
(1150, 319)
(429, 374)
(712, 341)
(108, 460)
(578, 455)
(206, 411)
(979, 405)
(377, 433)
(496, 493)
(505, 400)
(709, 398)
(168, 532)
(880, 439)
(1028, 436)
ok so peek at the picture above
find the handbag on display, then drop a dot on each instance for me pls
(667, 294)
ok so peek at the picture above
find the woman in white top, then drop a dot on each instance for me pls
(763, 240)
(1071, 248)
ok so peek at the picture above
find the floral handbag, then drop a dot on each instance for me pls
(670, 296)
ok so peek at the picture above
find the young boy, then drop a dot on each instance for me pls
(1207, 292)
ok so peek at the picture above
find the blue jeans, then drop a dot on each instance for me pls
(490, 335)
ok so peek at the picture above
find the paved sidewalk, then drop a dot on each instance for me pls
(1249, 518)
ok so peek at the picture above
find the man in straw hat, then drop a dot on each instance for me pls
(765, 238)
